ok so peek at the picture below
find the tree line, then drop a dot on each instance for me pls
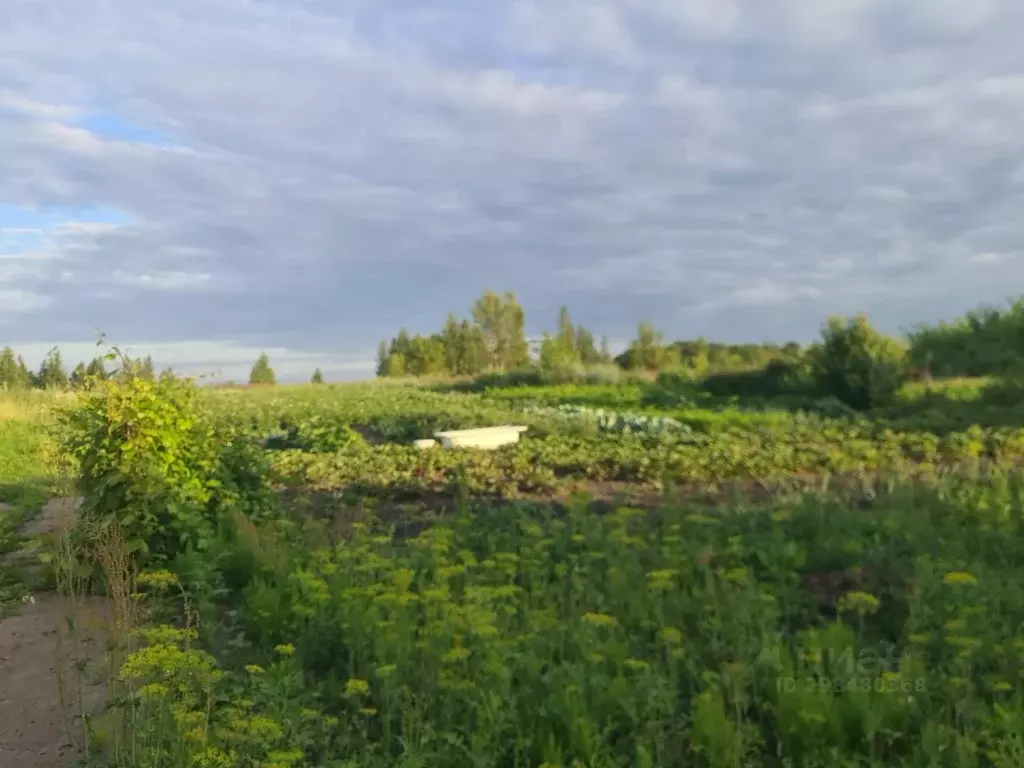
(53, 374)
(493, 339)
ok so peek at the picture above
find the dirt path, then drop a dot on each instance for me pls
(52, 663)
(47, 673)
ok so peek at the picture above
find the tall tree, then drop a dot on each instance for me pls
(425, 356)
(13, 374)
(382, 358)
(261, 372)
(317, 377)
(503, 323)
(566, 331)
(648, 350)
(454, 346)
(606, 350)
(52, 374)
(585, 348)
(474, 349)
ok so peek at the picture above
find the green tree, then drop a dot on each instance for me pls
(454, 346)
(424, 356)
(52, 374)
(79, 376)
(317, 377)
(261, 372)
(566, 331)
(13, 374)
(394, 367)
(857, 364)
(647, 352)
(606, 350)
(474, 355)
(585, 348)
(382, 358)
(503, 324)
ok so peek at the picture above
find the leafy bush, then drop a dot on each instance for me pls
(151, 459)
(858, 365)
(778, 377)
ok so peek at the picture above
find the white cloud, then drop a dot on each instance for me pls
(332, 171)
(16, 302)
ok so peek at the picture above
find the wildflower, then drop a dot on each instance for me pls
(356, 687)
(859, 602)
(254, 669)
(153, 691)
(385, 671)
(671, 636)
(599, 619)
(157, 579)
(286, 649)
(960, 577)
(636, 665)
(212, 757)
(736, 575)
(368, 711)
(1002, 687)
(282, 759)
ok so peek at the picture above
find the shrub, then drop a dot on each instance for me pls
(151, 459)
(858, 365)
(603, 373)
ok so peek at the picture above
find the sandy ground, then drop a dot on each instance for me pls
(47, 670)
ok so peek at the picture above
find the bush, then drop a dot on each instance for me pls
(152, 460)
(858, 365)
(603, 373)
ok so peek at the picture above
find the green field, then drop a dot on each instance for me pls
(642, 581)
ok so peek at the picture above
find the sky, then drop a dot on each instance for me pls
(204, 179)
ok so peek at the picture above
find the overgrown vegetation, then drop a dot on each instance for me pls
(870, 624)
(781, 557)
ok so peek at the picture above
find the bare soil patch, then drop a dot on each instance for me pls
(52, 663)
(48, 673)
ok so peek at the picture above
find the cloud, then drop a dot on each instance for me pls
(311, 176)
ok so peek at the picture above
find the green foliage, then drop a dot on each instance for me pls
(317, 377)
(502, 322)
(985, 342)
(495, 340)
(512, 636)
(647, 352)
(261, 372)
(857, 364)
(779, 377)
(52, 374)
(151, 460)
(13, 373)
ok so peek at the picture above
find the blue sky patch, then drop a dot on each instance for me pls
(110, 126)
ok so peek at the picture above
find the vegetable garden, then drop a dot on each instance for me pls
(295, 584)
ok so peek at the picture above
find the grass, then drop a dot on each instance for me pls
(872, 626)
